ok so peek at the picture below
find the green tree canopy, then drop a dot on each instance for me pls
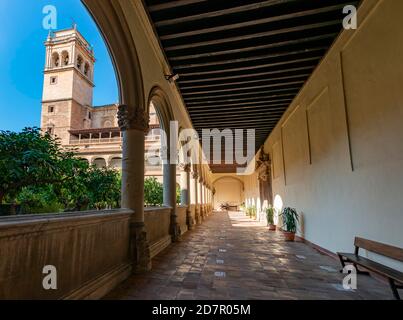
(38, 173)
(153, 192)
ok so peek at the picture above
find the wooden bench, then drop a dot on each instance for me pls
(394, 277)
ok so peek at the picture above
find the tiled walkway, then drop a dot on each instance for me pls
(232, 257)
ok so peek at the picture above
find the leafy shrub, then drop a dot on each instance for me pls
(153, 192)
(290, 219)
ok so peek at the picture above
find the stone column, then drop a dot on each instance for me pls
(185, 194)
(169, 174)
(197, 197)
(208, 199)
(134, 124)
(193, 188)
(201, 199)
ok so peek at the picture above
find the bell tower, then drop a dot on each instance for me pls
(68, 83)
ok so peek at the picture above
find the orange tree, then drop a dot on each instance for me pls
(37, 173)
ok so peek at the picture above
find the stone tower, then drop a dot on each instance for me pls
(68, 84)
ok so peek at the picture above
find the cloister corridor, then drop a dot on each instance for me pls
(230, 256)
(271, 113)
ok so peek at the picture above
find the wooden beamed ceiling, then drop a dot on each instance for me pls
(242, 62)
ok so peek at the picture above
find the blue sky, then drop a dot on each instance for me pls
(22, 58)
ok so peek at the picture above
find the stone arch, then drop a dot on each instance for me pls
(110, 19)
(99, 162)
(229, 177)
(162, 107)
(87, 70)
(228, 190)
(65, 58)
(50, 128)
(85, 159)
(115, 162)
(55, 60)
(79, 62)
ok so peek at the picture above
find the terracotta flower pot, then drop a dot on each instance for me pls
(289, 236)
(272, 227)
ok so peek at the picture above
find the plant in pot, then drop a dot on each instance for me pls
(270, 218)
(253, 212)
(290, 219)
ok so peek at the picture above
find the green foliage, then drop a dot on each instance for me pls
(178, 194)
(90, 187)
(38, 174)
(29, 158)
(251, 211)
(270, 215)
(153, 192)
(290, 219)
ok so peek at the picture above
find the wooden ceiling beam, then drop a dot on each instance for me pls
(274, 85)
(173, 4)
(304, 27)
(248, 75)
(243, 93)
(305, 76)
(298, 41)
(283, 54)
(223, 107)
(254, 67)
(252, 22)
(244, 100)
(223, 12)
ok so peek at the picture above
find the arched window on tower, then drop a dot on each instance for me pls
(55, 60)
(65, 58)
(87, 69)
(50, 129)
(79, 62)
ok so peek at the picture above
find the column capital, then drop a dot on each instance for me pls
(136, 119)
(195, 175)
(184, 167)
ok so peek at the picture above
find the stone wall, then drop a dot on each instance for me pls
(337, 152)
(157, 221)
(89, 250)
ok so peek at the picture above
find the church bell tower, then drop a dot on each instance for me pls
(68, 84)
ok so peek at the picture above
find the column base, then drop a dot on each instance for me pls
(139, 248)
(197, 215)
(175, 230)
(189, 220)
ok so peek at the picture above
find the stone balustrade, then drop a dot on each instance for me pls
(157, 221)
(90, 251)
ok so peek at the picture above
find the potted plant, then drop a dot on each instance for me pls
(290, 219)
(253, 212)
(270, 218)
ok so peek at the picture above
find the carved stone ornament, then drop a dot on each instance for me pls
(137, 120)
(263, 165)
(184, 167)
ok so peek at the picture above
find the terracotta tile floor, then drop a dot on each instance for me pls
(232, 257)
